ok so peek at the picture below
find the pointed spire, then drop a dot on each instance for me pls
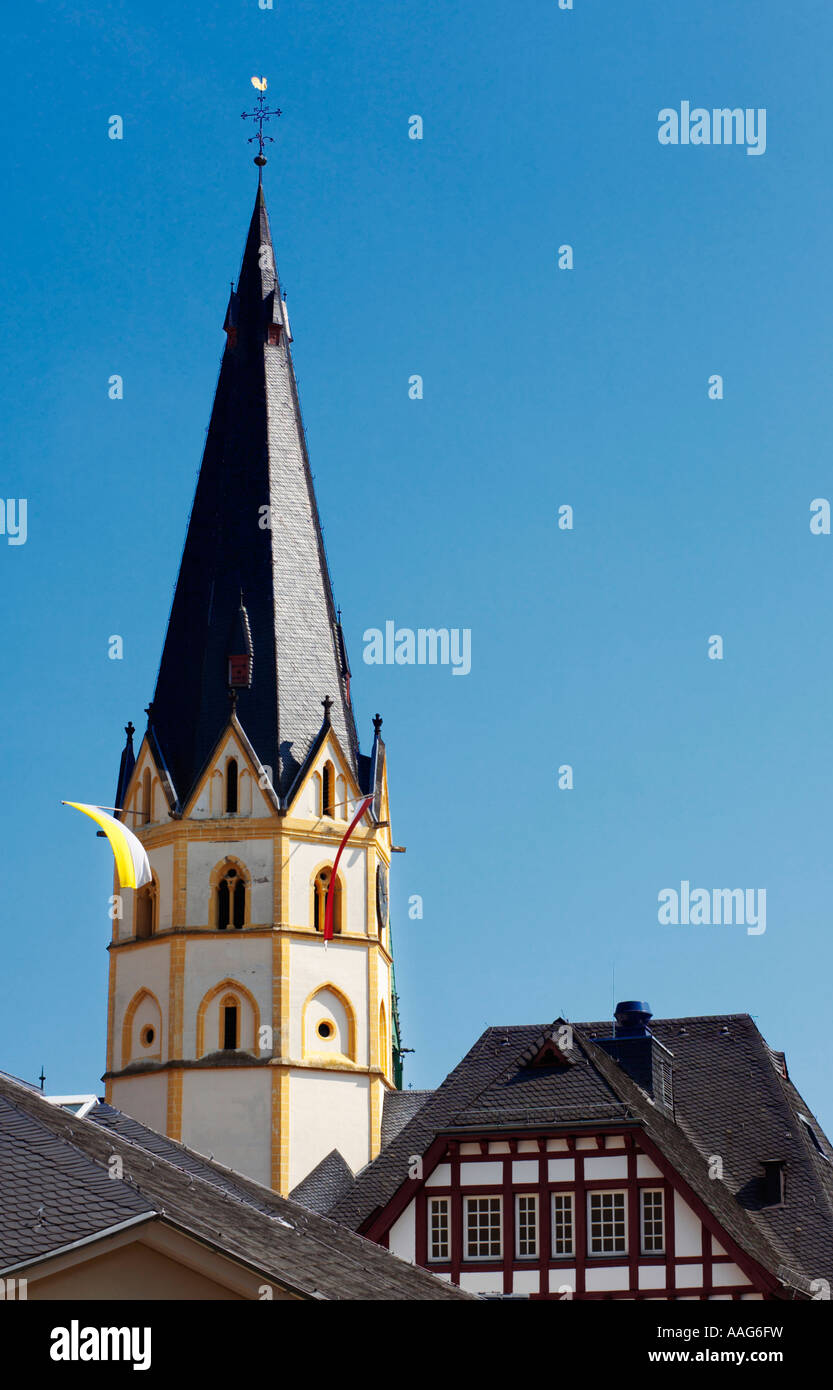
(254, 528)
(126, 766)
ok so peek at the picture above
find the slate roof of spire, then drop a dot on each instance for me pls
(732, 1097)
(255, 457)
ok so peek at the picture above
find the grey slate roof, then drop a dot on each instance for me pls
(51, 1159)
(255, 456)
(731, 1098)
(328, 1181)
(399, 1107)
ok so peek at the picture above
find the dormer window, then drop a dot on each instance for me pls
(774, 1182)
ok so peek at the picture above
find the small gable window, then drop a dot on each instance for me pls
(231, 901)
(328, 789)
(231, 787)
(320, 889)
(146, 802)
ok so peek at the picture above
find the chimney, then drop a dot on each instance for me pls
(636, 1050)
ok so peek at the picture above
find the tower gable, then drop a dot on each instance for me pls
(234, 782)
(327, 786)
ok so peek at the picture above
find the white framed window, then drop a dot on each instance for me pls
(652, 1217)
(563, 1225)
(483, 1228)
(607, 1223)
(526, 1226)
(439, 1228)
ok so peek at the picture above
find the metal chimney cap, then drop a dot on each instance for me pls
(633, 1015)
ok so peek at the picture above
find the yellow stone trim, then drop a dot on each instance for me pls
(173, 1122)
(283, 1186)
(111, 1010)
(281, 994)
(256, 932)
(232, 987)
(277, 1131)
(176, 989)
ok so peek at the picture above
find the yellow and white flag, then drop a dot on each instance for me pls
(132, 863)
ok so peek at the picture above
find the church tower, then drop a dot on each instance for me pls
(233, 1024)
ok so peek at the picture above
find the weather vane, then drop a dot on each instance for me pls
(260, 115)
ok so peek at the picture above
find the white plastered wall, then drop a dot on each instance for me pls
(226, 955)
(145, 1098)
(257, 857)
(341, 964)
(227, 1112)
(145, 968)
(329, 1110)
(305, 859)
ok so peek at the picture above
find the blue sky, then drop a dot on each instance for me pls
(542, 387)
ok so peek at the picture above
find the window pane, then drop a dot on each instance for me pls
(438, 1229)
(483, 1228)
(606, 1221)
(526, 1226)
(653, 1224)
(562, 1224)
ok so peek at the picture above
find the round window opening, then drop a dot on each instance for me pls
(325, 1029)
(148, 1034)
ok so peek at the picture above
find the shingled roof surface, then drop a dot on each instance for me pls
(53, 1161)
(731, 1098)
(399, 1107)
(328, 1181)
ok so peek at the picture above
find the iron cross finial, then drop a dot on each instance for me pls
(261, 114)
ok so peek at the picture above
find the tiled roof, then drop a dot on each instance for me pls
(51, 1193)
(400, 1107)
(731, 1098)
(55, 1189)
(328, 1181)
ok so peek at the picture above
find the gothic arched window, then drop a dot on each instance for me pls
(320, 889)
(229, 1024)
(146, 804)
(328, 783)
(231, 900)
(231, 786)
(145, 911)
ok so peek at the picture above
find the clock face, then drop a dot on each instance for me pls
(382, 896)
